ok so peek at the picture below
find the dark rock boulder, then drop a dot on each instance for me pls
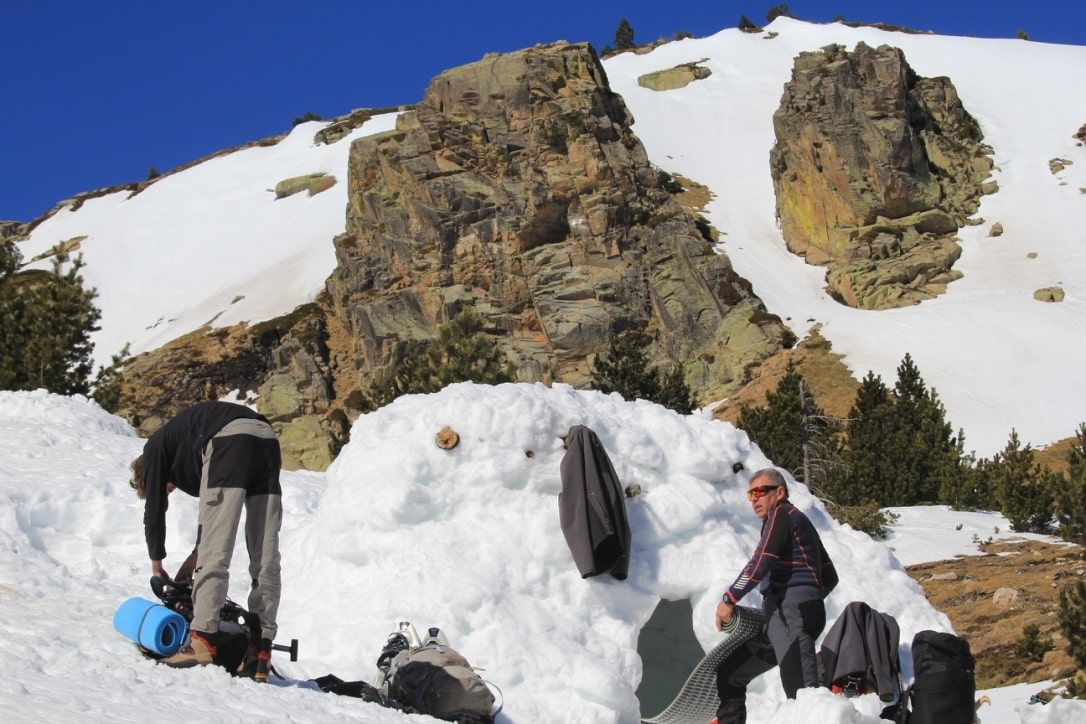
(875, 169)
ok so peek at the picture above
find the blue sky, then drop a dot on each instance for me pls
(95, 93)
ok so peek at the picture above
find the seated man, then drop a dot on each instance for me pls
(796, 574)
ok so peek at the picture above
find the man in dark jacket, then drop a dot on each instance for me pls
(792, 569)
(227, 456)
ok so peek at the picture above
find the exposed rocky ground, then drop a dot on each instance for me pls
(991, 598)
(875, 169)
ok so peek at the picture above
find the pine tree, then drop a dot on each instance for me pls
(1024, 489)
(870, 425)
(107, 383)
(460, 353)
(1071, 494)
(1072, 618)
(46, 319)
(775, 11)
(792, 430)
(675, 393)
(625, 369)
(747, 25)
(624, 35)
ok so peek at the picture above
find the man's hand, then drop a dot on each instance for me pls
(158, 570)
(724, 613)
(184, 573)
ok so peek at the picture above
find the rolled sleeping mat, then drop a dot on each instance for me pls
(697, 701)
(151, 625)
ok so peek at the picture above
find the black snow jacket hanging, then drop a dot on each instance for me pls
(863, 641)
(592, 507)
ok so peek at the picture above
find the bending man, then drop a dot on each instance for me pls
(795, 574)
(227, 456)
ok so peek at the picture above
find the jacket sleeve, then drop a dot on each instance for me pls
(828, 575)
(766, 554)
(156, 500)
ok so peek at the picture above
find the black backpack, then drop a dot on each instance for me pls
(944, 687)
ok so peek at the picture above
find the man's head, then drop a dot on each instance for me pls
(139, 478)
(766, 490)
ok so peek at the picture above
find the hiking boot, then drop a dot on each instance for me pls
(263, 661)
(200, 650)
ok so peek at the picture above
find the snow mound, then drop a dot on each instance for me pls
(468, 540)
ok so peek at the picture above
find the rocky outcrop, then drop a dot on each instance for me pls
(1080, 134)
(517, 187)
(285, 362)
(673, 78)
(339, 127)
(875, 169)
(314, 183)
(1049, 294)
(1056, 165)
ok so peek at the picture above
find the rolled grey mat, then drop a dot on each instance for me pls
(697, 700)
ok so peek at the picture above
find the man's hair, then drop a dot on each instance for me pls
(139, 477)
(774, 476)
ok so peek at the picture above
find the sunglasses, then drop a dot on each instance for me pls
(760, 492)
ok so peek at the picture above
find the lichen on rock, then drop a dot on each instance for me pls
(674, 78)
(875, 169)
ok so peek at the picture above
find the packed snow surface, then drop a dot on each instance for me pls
(998, 358)
(467, 540)
(209, 244)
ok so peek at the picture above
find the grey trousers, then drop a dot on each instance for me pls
(794, 620)
(240, 471)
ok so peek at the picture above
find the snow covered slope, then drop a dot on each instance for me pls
(210, 243)
(998, 358)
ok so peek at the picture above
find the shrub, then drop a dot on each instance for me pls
(107, 383)
(1031, 646)
(668, 183)
(866, 517)
(460, 353)
(309, 116)
(747, 26)
(152, 173)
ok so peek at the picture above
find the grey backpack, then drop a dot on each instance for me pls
(434, 679)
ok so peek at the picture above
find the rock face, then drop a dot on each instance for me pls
(314, 183)
(875, 169)
(285, 362)
(516, 186)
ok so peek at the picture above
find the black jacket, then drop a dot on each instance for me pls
(174, 454)
(865, 641)
(592, 507)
